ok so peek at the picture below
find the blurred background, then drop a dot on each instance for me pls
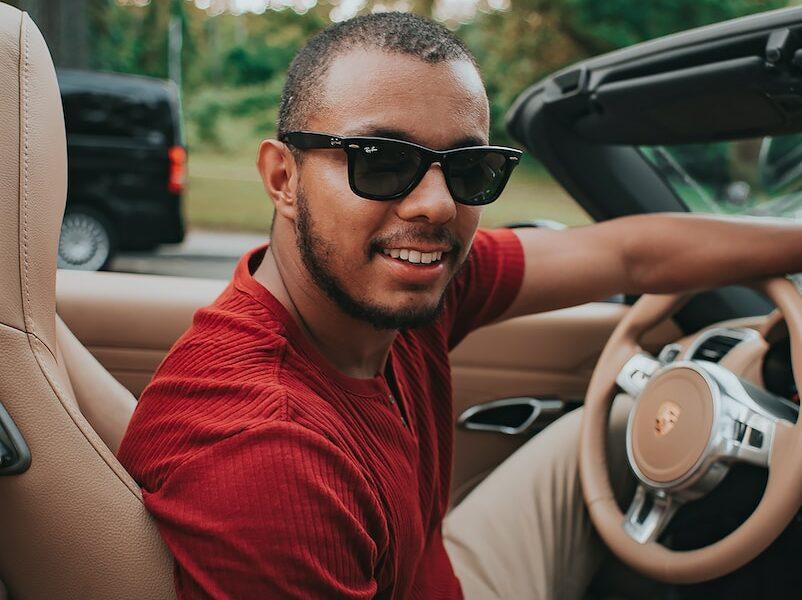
(162, 174)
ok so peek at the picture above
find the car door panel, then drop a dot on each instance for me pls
(545, 356)
(129, 323)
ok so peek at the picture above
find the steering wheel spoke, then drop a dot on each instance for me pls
(636, 372)
(649, 514)
(750, 416)
(749, 436)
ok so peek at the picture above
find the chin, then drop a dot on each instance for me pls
(414, 302)
(389, 314)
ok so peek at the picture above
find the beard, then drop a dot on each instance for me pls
(315, 255)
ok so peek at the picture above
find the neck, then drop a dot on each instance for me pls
(353, 347)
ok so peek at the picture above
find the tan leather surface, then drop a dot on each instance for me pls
(34, 176)
(10, 291)
(774, 327)
(548, 355)
(756, 323)
(668, 454)
(746, 360)
(567, 341)
(105, 403)
(783, 494)
(73, 525)
(129, 322)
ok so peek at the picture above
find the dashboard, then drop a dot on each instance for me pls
(758, 350)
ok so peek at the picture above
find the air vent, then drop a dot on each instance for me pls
(715, 344)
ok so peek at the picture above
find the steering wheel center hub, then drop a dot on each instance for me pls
(671, 425)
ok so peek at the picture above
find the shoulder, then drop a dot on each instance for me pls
(490, 250)
(486, 284)
(214, 394)
(221, 378)
(232, 329)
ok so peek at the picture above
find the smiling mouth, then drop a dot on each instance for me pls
(415, 257)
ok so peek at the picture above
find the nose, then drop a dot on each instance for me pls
(430, 201)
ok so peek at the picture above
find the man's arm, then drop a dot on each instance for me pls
(650, 254)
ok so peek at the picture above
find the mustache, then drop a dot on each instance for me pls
(440, 236)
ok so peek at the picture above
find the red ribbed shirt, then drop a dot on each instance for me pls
(273, 475)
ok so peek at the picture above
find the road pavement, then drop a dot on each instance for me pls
(211, 254)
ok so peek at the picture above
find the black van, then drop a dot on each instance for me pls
(127, 166)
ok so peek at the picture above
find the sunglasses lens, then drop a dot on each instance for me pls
(476, 176)
(384, 169)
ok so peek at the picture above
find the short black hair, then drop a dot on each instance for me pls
(403, 33)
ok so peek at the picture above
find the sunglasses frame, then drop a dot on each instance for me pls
(313, 140)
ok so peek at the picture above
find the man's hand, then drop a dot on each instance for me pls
(661, 253)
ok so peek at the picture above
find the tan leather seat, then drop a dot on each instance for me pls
(73, 525)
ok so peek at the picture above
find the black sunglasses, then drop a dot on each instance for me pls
(387, 169)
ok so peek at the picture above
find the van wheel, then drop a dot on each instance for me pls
(86, 242)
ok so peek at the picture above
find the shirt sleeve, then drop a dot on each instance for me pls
(277, 511)
(486, 285)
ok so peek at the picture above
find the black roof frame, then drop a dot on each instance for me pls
(585, 122)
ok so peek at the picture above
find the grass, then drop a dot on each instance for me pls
(225, 193)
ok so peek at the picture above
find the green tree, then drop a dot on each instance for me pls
(234, 65)
(518, 47)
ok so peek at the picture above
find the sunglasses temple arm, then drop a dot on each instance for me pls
(309, 140)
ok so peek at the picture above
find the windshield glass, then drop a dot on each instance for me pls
(756, 176)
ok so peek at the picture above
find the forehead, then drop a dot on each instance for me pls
(437, 105)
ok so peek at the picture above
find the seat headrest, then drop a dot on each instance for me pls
(33, 177)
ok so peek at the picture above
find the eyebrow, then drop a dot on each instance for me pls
(397, 134)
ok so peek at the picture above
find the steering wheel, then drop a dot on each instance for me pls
(691, 421)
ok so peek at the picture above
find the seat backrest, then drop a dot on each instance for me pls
(73, 524)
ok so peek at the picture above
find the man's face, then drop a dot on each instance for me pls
(343, 239)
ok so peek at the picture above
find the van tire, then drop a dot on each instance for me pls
(87, 241)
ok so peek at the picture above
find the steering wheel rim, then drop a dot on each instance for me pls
(783, 494)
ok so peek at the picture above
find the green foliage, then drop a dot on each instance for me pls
(113, 34)
(208, 110)
(204, 112)
(234, 65)
(534, 38)
(602, 26)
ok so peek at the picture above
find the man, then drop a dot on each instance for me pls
(296, 442)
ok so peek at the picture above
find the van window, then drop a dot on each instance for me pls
(95, 105)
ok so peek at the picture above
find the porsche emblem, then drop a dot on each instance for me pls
(667, 416)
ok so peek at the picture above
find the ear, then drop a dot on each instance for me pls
(279, 172)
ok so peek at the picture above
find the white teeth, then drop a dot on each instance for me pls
(413, 256)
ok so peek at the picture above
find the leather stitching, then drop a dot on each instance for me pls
(90, 435)
(80, 421)
(7, 326)
(25, 171)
